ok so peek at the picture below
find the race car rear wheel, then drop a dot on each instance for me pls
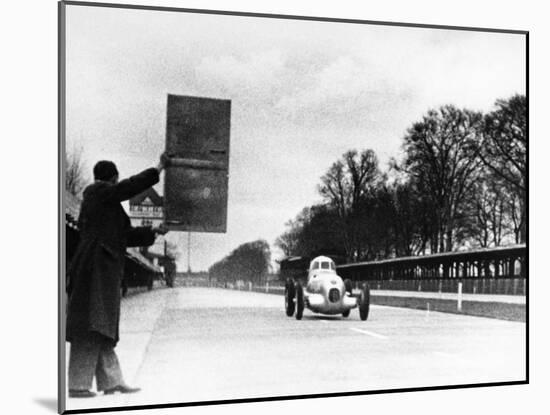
(299, 301)
(289, 298)
(364, 302)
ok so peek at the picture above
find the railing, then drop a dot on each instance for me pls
(483, 271)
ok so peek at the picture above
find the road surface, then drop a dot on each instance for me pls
(191, 344)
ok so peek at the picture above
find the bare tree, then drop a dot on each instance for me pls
(409, 220)
(345, 184)
(442, 160)
(74, 172)
(288, 242)
(516, 209)
(504, 152)
(489, 212)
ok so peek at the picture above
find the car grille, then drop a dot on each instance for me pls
(334, 295)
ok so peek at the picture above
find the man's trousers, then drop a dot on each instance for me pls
(93, 355)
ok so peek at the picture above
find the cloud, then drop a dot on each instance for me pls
(350, 89)
(336, 81)
(256, 74)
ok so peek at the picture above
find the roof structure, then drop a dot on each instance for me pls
(456, 255)
(150, 194)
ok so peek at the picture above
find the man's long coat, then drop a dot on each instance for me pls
(96, 270)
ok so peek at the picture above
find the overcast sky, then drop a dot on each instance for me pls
(302, 94)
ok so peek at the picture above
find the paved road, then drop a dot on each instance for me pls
(197, 344)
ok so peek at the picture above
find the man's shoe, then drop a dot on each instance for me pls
(81, 393)
(121, 389)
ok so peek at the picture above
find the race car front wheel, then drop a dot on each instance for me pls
(364, 302)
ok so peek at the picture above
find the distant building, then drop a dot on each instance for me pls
(146, 209)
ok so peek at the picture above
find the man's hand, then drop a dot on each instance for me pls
(162, 229)
(163, 162)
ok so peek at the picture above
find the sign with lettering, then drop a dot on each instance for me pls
(146, 212)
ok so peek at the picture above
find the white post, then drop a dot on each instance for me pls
(459, 299)
(267, 287)
(249, 285)
(189, 254)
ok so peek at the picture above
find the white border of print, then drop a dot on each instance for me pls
(29, 166)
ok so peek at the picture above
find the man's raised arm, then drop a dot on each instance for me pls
(134, 185)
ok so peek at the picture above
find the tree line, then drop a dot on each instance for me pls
(248, 262)
(461, 183)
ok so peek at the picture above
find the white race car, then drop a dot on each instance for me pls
(325, 292)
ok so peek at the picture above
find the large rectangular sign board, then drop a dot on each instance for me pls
(196, 179)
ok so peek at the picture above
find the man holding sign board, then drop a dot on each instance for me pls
(95, 274)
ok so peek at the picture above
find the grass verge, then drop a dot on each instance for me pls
(503, 311)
